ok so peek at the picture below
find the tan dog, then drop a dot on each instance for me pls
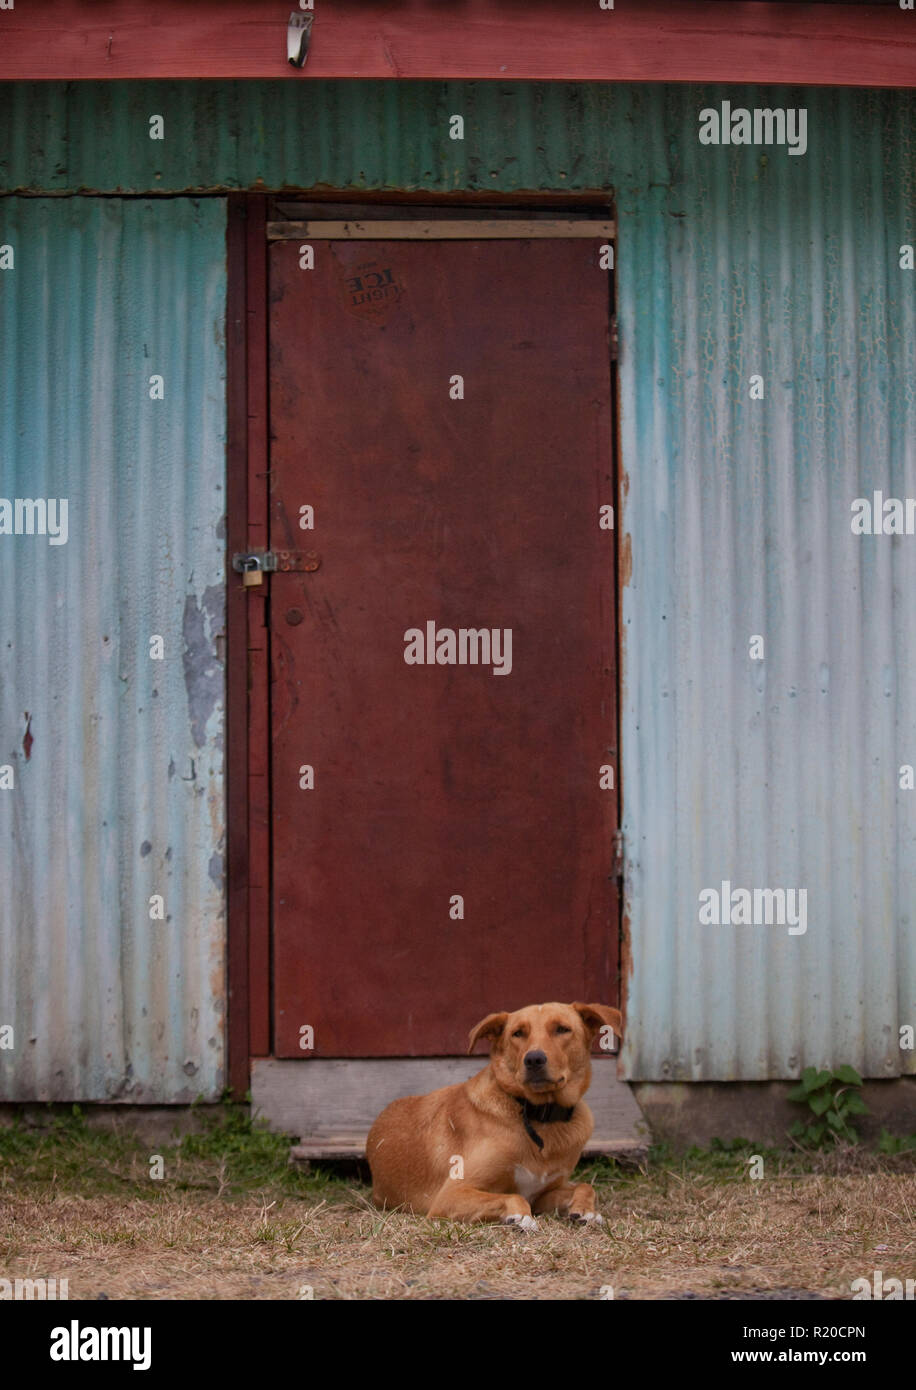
(501, 1146)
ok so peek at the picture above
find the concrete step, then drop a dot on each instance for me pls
(329, 1104)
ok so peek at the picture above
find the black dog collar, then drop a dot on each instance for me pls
(544, 1115)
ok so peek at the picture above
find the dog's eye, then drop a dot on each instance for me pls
(561, 1028)
(519, 1033)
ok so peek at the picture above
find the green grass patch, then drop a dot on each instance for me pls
(231, 1156)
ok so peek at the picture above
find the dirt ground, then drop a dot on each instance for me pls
(230, 1220)
(791, 1237)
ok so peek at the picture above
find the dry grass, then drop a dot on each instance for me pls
(234, 1224)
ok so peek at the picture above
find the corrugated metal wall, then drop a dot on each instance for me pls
(731, 261)
(95, 135)
(781, 772)
(117, 757)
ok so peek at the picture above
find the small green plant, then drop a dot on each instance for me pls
(896, 1143)
(833, 1100)
(729, 1146)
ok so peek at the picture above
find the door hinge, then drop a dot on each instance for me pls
(619, 861)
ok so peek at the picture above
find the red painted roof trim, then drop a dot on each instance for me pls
(637, 41)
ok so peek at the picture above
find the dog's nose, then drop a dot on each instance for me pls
(534, 1061)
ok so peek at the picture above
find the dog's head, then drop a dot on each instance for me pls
(541, 1053)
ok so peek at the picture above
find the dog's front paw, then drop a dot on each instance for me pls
(585, 1218)
(524, 1223)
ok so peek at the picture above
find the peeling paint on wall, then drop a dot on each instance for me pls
(109, 1002)
(203, 673)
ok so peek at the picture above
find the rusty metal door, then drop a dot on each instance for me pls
(443, 683)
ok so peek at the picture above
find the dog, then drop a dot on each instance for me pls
(501, 1146)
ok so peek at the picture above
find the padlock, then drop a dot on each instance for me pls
(253, 576)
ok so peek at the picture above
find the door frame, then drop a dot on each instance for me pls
(248, 790)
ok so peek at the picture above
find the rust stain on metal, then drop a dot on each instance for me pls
(626, 560)
(28, 740)
(626, 954)
(626, 963)
(289, 561)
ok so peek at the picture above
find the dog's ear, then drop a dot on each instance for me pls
(489, 1027)
(596, 1015)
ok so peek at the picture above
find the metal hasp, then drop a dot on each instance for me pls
(269, 561)
(298, 38)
